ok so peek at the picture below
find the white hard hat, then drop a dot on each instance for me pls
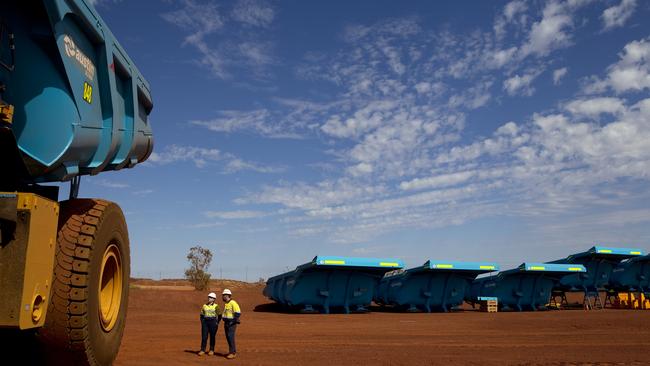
(226, 292)
(212, 295)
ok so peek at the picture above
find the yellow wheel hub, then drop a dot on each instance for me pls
(110, 287)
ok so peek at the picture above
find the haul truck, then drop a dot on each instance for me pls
(72, 103)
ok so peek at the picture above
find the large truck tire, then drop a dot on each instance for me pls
(86, 318)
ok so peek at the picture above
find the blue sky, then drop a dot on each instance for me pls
(466, 130)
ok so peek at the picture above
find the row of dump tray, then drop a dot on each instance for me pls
(347, 284)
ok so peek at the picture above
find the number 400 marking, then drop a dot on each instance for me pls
(88, 93)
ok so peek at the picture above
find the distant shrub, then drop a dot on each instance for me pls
(200, 259)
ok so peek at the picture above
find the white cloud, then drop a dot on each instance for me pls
(236, 165)
(363, 120)
(442, 180)
(594, 107)
(198, 17)
(423, 87)
(230, 121)
(360, 169)
(175, 153)
(104, 2)
(559, 74)
(259, 121)
(200, 20)
(514, 8)
(203, 20)
(109, 184)
(204, 225)
(617, 15)
(499, 58)
(553, 31)
(513, 12)
(257, 53)
(143, 192)
(253, 12)
(399, 27)
(549, 165)
(508, 129)
(202, 157)
(306, 231)
(310, 197)
(631, 73)
(234, 215)
(400, 101)
(616, 149)
(521, 84)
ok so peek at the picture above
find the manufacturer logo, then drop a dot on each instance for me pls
(83, 61)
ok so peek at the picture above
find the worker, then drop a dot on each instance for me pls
(210, 317)
(230, 316)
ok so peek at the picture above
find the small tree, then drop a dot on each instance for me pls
(200, 259)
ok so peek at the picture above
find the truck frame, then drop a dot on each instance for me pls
(72, 103)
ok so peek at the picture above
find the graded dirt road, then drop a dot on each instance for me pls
(163, 329)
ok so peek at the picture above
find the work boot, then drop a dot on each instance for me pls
(201, 353)
(211, 353)
(231, 356)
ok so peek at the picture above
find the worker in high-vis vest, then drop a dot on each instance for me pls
(210, 317)
(231, 314)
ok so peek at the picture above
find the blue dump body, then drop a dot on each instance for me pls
(81, 105)
(331, 283)
(599, 262)
(632, 275)
(527, 287)
(433, 286)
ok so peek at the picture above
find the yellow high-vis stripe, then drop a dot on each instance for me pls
(575, 269)
(635, 253)
(444, 266)
(332, 261)
(604, 251)
(388, 264)
(537, 268)
(486, 267)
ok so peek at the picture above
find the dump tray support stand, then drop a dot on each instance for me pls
(563, 300)
(326, 304)
(346, 303)
(596, 304)
(427, 304)
(519, 294)
(609, 295)
(535, 289)
(444, 293)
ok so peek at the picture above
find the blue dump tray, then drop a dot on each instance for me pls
(599, 262)
(80, 104)
(632, 275)
(527, 287)
(433, 286)
(331, 283)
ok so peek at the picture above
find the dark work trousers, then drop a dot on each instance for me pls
(229, 328)
(208, 326)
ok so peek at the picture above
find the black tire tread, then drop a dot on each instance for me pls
(66, 313)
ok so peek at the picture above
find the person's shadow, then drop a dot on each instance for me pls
(216, 354)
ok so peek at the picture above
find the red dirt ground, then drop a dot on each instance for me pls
(163, 329)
